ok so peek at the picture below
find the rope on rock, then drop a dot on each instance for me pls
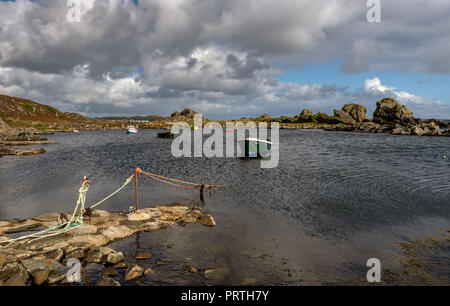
(76, 218)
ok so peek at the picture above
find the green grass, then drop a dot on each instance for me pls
(51, 110)
(29, 107)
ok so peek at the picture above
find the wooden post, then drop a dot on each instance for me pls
(136, 184)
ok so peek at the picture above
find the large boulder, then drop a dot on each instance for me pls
(344, 117)
(390, 111)
(306, 112)
(356, 111)
(187, 112)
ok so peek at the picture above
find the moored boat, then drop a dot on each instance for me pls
(131, 129)
(255, 148)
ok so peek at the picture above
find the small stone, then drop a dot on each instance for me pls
(216, 274)
(107, 281)
(40, 276)
(121, 265)
(161, 263)
(207, 220)
(97, 255)
(133, 273)
(143, 255)
(115, 232)
(115, 257)
(139, 216)
(191, 269)
(149, 271)
(110, 272)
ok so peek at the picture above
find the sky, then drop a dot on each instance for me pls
(226, 58)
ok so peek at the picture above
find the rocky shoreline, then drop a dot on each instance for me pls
(44, 261)
(390, 117)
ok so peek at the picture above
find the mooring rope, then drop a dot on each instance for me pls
(76, 218)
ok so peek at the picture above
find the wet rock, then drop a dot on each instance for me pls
(143, 255)
(133, 273)
(217, 274)
(33, 265)
(138, 216)
(115, 257)
(149, 271)
(191, 269)
(162, 263)
(116, 232)
(207, 220)
(98, 254)
(356, 111)
(390, 111)
(55, 277)
(40, 276)
(110, 272)
(107, 281)
(121, 265)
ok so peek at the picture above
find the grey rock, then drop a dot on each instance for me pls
(107, 282)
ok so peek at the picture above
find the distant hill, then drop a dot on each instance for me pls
(137, 118)
(23, 113)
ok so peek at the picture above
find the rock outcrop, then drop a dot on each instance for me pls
(306, 112)
(356, 111)
(344, 117)
(390, 111)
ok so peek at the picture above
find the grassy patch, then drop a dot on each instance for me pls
(51, 110)
(29, 107)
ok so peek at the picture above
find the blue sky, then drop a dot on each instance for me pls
(431, 85)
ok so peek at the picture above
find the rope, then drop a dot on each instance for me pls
(76, 219)
(163, 178)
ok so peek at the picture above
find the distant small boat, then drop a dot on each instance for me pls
(131, 129)
(167, 134)
(256, 148)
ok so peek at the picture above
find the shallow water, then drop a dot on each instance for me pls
(334, 201)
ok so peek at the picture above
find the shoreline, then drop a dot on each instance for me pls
(42, 262)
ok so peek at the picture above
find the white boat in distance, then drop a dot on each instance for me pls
(131, 129)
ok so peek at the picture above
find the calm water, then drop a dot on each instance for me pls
(335, 200)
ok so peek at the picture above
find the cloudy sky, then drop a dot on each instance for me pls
(226, 58)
